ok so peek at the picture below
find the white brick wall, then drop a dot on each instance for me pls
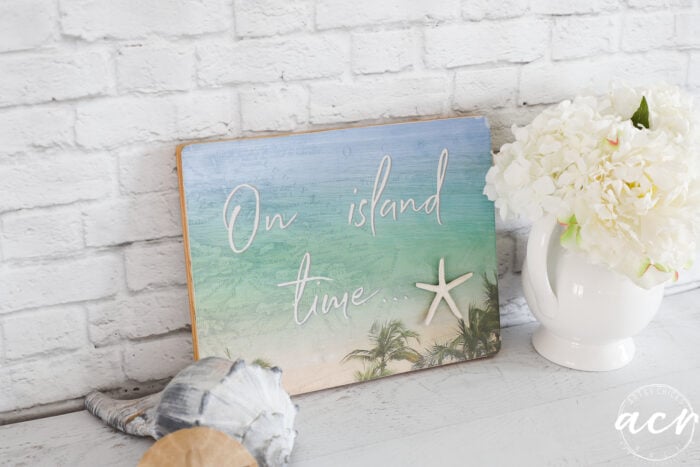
(17, 15)
(155, 68)
(281, 107)
(583, 36)
(43, 77)
(382, 51)
(92, 20)
(96, 94)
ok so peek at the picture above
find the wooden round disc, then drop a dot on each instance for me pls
(197, 447)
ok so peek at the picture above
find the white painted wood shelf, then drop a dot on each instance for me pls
(513, 409)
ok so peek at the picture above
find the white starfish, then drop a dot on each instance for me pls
(442, 291)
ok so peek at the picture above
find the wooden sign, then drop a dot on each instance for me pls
(343, 255)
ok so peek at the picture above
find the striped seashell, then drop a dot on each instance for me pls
(246, 402)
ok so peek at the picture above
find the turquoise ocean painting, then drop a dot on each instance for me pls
(305, 250)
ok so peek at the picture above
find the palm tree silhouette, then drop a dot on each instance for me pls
(478, 337)
(391, 343)
(262, 363)
(491, 291)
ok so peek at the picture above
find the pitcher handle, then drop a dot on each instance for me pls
(537, 259)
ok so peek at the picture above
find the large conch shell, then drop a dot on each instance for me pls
(246, 402)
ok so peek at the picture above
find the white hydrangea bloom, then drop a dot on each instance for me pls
(630, 197)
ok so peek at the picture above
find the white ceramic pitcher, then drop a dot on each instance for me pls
(588, 313)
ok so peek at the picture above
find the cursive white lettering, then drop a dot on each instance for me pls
(230, 221)
(328, 302)
(357, 215)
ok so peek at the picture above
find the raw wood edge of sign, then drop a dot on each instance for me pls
(186, 242)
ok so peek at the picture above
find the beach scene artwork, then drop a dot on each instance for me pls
(344, 255)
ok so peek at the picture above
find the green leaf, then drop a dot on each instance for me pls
(572, 233)
(569, 235)
(662, 268)
(646, 264)
(640, 118)
(566, 222)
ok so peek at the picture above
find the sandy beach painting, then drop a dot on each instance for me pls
(305, 251)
